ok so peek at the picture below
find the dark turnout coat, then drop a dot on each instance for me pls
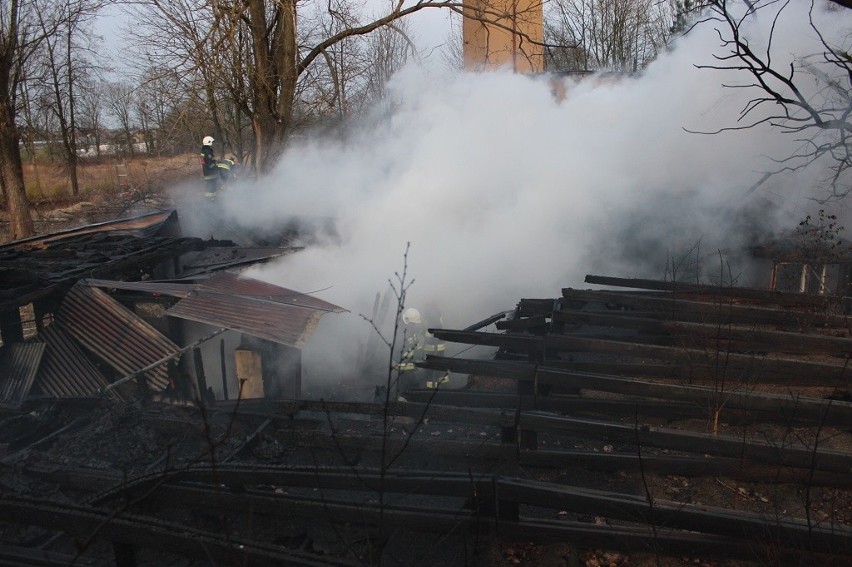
(209, 170)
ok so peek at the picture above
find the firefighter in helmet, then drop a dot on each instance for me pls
(228, 170)
(417, 343)
(209, 168)
(411, 351)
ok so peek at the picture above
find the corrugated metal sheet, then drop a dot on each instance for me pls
(222, 258)
(66, 372)
(154, 288)
(256, 308)
(19, 363)
(234, 284)
(141, 226)
(115, 334)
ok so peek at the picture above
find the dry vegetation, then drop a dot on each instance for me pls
(108, 189)
(49, 182)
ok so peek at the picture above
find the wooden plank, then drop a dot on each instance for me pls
(724, 310)
(485, 322)
(767, 369)
(789, 455)
(756, 339)
(686, 465)
(705, 519)
(573, 405)
(400, 409)
(787, 407)
(755, 294)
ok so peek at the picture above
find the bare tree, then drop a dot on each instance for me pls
(808, 97)
(388, 49)
(120, 98)
(21, 35)
(620, 35)
(91, 101)
(272, 62)
(64, 64)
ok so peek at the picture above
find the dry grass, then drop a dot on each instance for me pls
(50, 182)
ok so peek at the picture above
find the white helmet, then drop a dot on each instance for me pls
(207, 141)
(411, 315)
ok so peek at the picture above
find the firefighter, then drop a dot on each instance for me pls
(228, 169)
(413, 341)
(432, 346)
(209, 169)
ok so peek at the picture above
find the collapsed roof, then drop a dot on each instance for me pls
(65, 335)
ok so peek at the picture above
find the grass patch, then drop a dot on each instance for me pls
(50, 181)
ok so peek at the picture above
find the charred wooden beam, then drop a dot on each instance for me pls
(687, 465)
(787, 408)
(763, 295)
(532, 307)
(783, 454)
(770, 369)
(400, 409)
(754, 338)
(522, 324)
(30, 556)
(86, 521)
(724, 311)
(487, 321)
(705, 519)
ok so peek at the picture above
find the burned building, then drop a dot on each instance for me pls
(131, 304)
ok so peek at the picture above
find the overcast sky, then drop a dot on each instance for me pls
(430, 31)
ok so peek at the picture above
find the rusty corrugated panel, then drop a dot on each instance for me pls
(256, 308)
(154, 288)
(66, 372)
(19, 363)
(220, 258)
(141, 226)
(234, 284)
(115, 334)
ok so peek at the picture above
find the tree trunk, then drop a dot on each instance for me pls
(12, 175)
(273, 79)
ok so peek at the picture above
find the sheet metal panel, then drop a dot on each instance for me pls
(141, 226)
(277, 322)
(115, 334)
(154, 288)
(253, 307)
(66, 372)
(234, 284)
(19, 363)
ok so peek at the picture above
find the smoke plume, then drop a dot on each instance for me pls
(505, 192)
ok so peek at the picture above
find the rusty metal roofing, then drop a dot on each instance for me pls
(234, 284)
(19, 363)
(66, 372)
(141, 226)
(254, 307)
(222, 258)
(115, 334)
(154, 288)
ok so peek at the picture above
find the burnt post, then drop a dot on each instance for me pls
(200, 380)
(11, 327)
(224, 369)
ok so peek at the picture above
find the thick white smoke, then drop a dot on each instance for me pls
(505, 192)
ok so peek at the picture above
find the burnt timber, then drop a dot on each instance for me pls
(738, 385)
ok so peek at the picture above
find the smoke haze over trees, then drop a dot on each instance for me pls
(198, 71)
(505, 192)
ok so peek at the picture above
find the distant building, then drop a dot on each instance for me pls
(500, 34)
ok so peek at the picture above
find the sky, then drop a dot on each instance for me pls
(500, 192)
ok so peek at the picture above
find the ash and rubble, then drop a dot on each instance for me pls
(229, 434)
